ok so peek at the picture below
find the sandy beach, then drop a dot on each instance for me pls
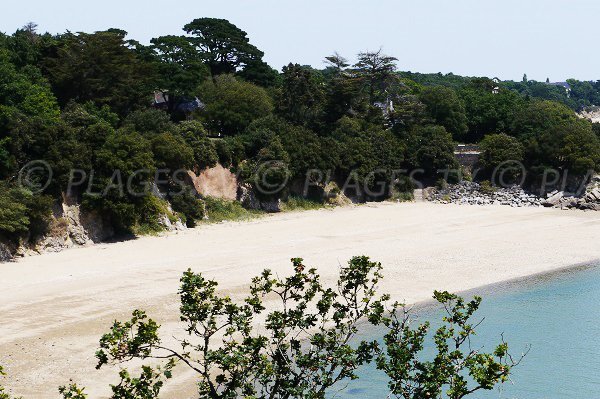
(54, 307)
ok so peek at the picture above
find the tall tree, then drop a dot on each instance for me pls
(102, 68)
(180, 66)
(223, 46)
(377, 71)
(301, 96)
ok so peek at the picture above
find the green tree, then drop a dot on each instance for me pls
(446, 109)
(231, 104)
(259, 73)
(377, 72)
(497, 149)
(232, 359)
(223, 46)
(301, 97)
(431, 148)
(102, 68)
(205, 153)
(172, 152)
(180, 68)
(457, 367)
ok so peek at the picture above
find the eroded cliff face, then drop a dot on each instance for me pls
(590, 113)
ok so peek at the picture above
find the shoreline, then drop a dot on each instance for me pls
(56, 306)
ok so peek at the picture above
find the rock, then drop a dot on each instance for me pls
(247, 197)
(554, 200)
(6, 252)
(271, 206)
(333, 195)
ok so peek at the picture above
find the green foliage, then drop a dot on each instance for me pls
(222, 45)
(294, 203)
(72, 391)
(432, 149)
(497, 149)
(99, 67)
(179, 65)
(221, 210)
(301, 97)
(187, 204)
(205, 153)
(231, 104)
(446, 109)
(376, 70)
(23, 212)
(172, 152)
(148, 122)
(457, 368)
(244, 362)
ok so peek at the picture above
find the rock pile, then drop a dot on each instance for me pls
(470, 193)
(590, 200)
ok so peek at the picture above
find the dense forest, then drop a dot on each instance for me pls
(101, 102)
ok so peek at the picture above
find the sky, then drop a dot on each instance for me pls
(553, 39)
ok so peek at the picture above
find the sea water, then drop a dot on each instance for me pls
(557, 316)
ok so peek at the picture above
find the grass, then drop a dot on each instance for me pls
(220, 210)
(301, 204)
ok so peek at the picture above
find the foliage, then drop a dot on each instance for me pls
(205, 154)
(446, 109)
(23, 212)
(231, 104)
(223, 46)
(294, 203)
(456, 367)
(376, 71)
(187, 204)
(179, 65)
(496, 149)
(301, 97)
(232, 359)
(221, 210)
(172, 152)
(432, 149)
(99, 67)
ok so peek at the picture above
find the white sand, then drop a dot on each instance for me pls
(53, 308)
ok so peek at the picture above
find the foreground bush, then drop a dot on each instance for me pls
(305, 345)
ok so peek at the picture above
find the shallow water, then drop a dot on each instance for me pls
(557, 315)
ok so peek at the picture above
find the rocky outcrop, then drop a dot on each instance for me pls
(216, 182)
(589, 200)
(333, 195)
(470, 193)
(249, 200)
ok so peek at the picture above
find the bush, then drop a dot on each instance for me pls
(22, 212)
(294, 203)
(191, 208)
(204, 151)
(231, 104)
(220, 210)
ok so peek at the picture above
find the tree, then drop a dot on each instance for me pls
(222, 45)
(231, 104)
(301, 98)
(180, 67)
(446, 109)
(232, 359)
(431, 148)
(100, 67)
(497, 149)
(205, 154)
(377, 71)
(457, 367)
(259, 73)
(172, 152)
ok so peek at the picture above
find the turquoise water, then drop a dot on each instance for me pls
(557, 315)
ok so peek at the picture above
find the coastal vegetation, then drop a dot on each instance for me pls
(104, 112)
(294, 337)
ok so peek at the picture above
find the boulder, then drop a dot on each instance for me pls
(247, 197)
(554, 200)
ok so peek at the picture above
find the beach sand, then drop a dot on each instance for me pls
(55, 307)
